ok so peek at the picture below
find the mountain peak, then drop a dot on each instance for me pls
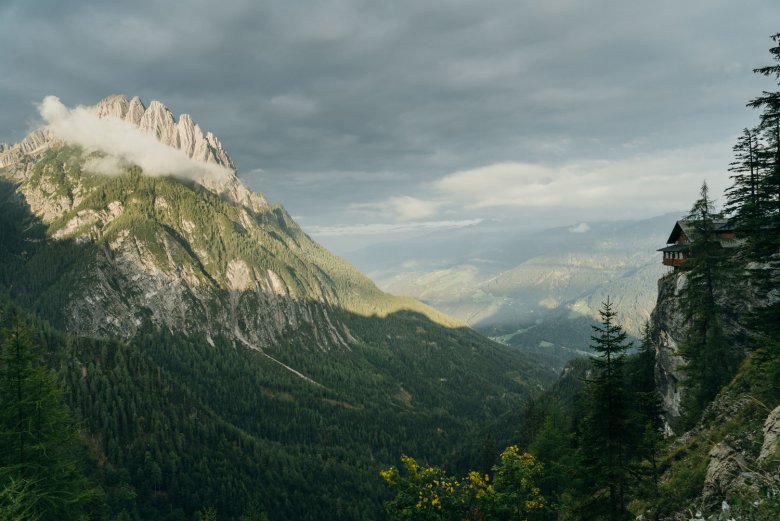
(159, 121)
(156, 120)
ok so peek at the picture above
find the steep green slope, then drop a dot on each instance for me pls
(185, 235)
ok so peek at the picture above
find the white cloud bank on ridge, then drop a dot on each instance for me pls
(583, 227)
(122, 142)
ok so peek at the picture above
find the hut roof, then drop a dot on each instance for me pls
(686, 226)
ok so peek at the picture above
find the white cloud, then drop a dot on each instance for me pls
(637, 186)
(408, 208)
(663, 181)
(106, 165)
(583, 227)
(502, 184)
(385, 228)
(402, 208)
(122, 142)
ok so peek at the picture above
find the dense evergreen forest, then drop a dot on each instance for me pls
(169, 425)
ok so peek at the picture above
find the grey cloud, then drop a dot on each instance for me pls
(420, 88)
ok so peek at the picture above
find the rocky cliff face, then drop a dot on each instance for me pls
(733, 449)
(668, 330)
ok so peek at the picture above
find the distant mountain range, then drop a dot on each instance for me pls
(537, 290)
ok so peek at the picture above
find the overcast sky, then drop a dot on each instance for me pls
(370, 117)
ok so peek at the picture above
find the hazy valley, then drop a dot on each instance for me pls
(537, 290)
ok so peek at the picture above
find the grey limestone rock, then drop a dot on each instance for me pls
(728, 472)
(771, 445)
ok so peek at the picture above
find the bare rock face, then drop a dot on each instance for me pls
(36, 142)
(728, 472)
(254, 308)
(158, 121)
(668, 329)
(112, 107)
(771, 446)
(135, 111)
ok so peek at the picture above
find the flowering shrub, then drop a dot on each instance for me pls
(429, 493)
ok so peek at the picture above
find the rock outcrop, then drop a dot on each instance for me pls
(770, 448)
(37, 141)
(157, 120)
(668, 329)
(729, 473)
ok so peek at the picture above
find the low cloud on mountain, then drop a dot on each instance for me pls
(122, 142)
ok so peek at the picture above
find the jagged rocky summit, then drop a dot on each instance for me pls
(165, 252)
(158, 121)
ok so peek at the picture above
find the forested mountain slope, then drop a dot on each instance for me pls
(215, 354)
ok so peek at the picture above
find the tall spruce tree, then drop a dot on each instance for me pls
(767, 244)
(710, 359)
(743, 197)
(40, 478)
(607, 425)
(763, 237)
(647, 407)
(769, 182)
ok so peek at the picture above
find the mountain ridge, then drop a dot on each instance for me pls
(156, 120)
